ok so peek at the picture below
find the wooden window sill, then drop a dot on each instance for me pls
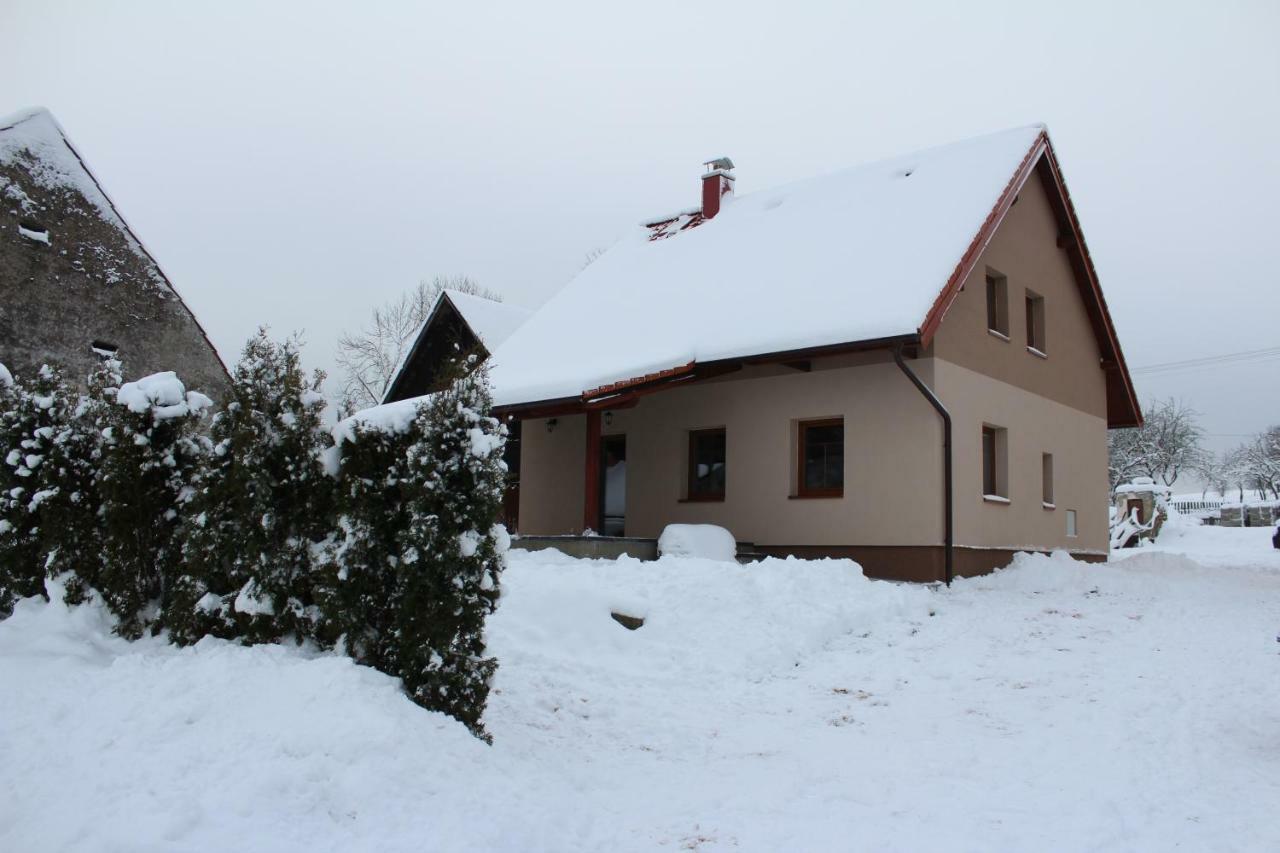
(996, 334)
(995, 499)
(811, 496)
(707, 499)
(1037, 353)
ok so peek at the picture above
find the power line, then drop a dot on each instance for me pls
(1212, 361)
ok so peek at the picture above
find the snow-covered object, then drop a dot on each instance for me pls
(164, 395)
(1143, 485)
(6, 378)
(389, 417)
(252, 602)
(33, 234)
(856, 255)
(701, 541)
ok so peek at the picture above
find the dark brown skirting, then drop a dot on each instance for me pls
(917, 563)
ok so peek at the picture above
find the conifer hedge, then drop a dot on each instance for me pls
(255, 525)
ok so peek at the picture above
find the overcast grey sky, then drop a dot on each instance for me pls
(297, 163)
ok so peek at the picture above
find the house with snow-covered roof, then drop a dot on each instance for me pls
(909, 363)
(457, 324)
(76, 283)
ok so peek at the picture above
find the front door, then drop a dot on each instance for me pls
(1136, 503)
(613, 485)
(511, 495)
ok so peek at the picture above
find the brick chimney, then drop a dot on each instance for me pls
(716, 184)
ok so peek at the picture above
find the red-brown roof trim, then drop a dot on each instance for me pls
(1123, 409)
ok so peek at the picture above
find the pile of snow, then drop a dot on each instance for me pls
(705, 541)
(164, 395)
(705, 615)
(6, 378)
(784, 705)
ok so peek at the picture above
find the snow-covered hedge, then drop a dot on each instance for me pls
(260, 505)
(259, 526)
(415, 564)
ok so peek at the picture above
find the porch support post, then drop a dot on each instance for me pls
(591, 488)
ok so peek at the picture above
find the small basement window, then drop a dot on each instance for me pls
(997, 303)
(33, 231)
(104, 349)
(1035, 322)
(1046, 468)
(706, 464)
(820, 472)
(995, 477)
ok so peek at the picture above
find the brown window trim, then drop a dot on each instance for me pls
(701, 497)
(801, 491)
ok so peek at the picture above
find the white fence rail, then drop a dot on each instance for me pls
(1199, 507)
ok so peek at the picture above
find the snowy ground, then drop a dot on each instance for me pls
(783, 706)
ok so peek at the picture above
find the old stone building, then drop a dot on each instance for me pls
(76, 284)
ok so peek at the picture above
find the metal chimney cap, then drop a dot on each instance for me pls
(718, 163)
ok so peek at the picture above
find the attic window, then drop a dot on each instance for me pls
(33, 231)
(1035, 323)
(104, 350)
(998, 304)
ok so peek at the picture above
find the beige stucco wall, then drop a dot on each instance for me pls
(984, 379)
(1024, 249)
(552, 474)
(1035, 426)
(893, 459)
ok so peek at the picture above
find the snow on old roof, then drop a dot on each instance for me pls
(857, 255)
(34, 140)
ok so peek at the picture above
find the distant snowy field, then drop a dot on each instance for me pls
(782, 706)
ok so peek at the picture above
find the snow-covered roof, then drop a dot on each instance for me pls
(1142, 485)
(492, 322)
(858, 255)
(34, 137)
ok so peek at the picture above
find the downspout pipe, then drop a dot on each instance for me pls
(948, 492)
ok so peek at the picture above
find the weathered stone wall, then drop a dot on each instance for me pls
(90, 282)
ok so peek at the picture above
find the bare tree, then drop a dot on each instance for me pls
(368, 358)
(1215, 473)
(1167, 444)
(1257, 463)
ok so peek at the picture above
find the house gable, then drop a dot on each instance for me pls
(1040, 165)
(444, 336)
(1023, 257)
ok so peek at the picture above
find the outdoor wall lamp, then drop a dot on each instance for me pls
(551, 424)
(608, 418)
